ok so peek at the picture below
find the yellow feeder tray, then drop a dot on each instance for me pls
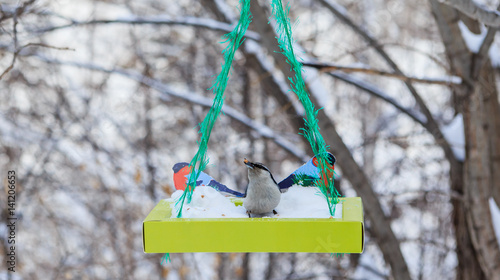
(162, 234)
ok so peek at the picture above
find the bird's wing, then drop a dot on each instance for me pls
(181, 178)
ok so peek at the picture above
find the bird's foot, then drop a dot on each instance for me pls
(274, 212)
(248, 212)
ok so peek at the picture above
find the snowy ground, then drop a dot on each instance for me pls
(297, 202)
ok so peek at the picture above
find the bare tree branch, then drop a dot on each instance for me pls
(431, 125)
(18, 51)
(14, 11)
(482, 54)
(476, 11)
(366, 70)
(376, 92)
(156, 20)
(217, 25)
(168, 92)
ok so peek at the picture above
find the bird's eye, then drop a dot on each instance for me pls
(331, 159)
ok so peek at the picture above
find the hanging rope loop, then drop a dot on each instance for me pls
(200, 161)
(311, 128)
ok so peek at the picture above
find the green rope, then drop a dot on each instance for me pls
(311, 130)
(200, 160)
(166, 259)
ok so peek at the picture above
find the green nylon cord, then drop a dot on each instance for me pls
(311, 130)
(200, 160)
(165, 258)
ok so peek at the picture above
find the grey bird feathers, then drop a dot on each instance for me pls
(263, 193)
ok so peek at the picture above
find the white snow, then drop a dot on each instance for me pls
(473, 41)
(454, 134)
(495, 218)
(207, 203)
(297, 202)
(495, 55)
(305, 202)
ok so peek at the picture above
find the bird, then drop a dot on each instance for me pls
(182, 171)
(263, 193)
(308, 174)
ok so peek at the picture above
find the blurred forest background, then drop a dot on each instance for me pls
(100, 98)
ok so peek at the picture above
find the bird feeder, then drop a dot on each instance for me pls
(162, 234)
(345, 234)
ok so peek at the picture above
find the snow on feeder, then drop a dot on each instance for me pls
(198, 218)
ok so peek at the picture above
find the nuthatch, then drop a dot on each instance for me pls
(263, 193)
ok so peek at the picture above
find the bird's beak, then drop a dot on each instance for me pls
(248, 163)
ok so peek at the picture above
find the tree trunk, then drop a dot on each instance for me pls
(468, 267)
(478, 251)
(481, 116)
